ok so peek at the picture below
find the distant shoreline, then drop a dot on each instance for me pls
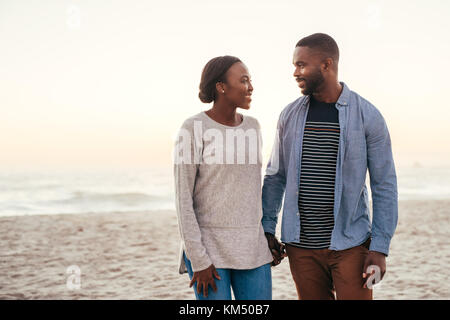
(90, 214)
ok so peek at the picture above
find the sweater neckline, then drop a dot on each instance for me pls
(223, 125)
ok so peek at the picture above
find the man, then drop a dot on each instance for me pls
(326, 141)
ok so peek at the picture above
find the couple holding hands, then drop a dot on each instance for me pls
(325, 143)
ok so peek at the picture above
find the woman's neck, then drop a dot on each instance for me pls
(224, 114)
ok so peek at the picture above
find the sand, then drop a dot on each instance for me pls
(134, 256)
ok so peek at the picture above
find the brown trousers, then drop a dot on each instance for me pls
(323, 274)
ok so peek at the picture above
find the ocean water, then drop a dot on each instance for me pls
(29, 192)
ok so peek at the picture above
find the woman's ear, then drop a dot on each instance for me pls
(220, 87)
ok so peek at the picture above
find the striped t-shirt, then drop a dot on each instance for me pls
(317, 177)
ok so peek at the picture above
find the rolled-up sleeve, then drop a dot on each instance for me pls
(383, 182)
(274, 183)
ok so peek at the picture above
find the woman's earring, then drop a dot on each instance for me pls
(223, 91)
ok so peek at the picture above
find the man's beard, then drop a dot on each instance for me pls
(313, 82)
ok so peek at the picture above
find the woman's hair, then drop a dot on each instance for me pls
(213, 72)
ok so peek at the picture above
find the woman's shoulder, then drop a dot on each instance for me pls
(190, 122)
(252, 121)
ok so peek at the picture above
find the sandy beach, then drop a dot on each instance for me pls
(134, 256)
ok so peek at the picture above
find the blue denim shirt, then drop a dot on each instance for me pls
(364, 144)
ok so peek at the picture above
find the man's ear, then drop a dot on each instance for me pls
(328, 64)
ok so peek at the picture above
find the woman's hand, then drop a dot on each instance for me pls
(205, 278)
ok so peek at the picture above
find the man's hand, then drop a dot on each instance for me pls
(205, 278)
(377, 259)
(276, 248)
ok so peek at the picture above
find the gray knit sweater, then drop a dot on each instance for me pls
(218, 194)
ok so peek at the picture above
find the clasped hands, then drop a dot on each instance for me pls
(277, 249)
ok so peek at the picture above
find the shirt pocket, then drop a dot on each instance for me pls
(355, 145)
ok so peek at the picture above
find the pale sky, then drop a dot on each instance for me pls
(108, 83)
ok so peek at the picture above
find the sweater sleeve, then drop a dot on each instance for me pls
(186, 155)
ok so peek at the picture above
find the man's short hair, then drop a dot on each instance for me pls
(323, 43)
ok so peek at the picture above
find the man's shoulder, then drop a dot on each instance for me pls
(363, 103)
(367, 109)
(291, 107)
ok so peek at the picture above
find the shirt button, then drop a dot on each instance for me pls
(298, 214)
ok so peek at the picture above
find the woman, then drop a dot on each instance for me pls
(218, 190)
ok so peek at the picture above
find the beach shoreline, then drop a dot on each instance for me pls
(134, 255)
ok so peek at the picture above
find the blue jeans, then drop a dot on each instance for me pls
(252, 284)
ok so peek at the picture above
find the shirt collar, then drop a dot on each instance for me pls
(344, 98)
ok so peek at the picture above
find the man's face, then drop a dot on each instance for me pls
(307, 63)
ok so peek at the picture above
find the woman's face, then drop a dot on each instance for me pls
(238, 87)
